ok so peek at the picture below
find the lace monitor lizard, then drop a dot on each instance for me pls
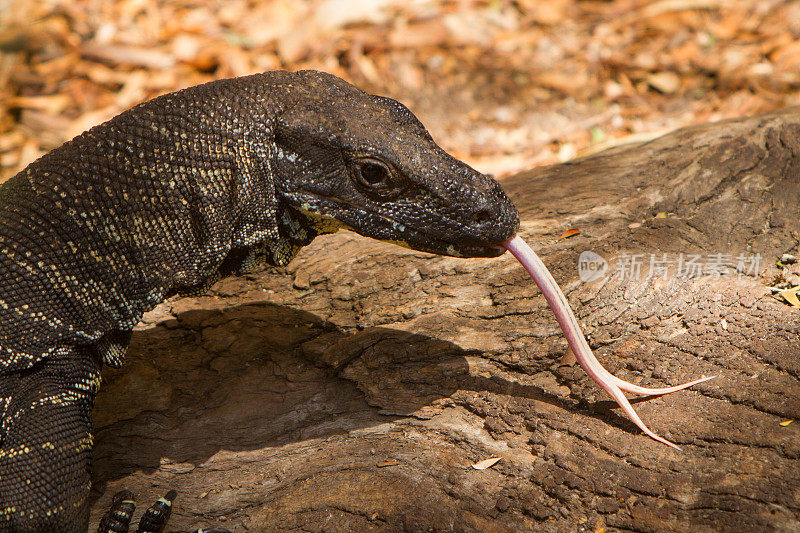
(169, 197)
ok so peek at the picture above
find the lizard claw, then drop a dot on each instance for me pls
(583, 353)
(118, 518)
(155, 517)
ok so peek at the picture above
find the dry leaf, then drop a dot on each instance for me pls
(790, 295)
(129, 55)
(433, 33)
(486, 463)
(51, 104)
(672, 6)
(786, 56)
(566, 82)
(566, 152)
(295, 45)
(365, 66)
(333, 14)
(570, 233)
(547, 13)
(664, 82)
(786, 422)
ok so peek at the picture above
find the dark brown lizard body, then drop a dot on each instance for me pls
(169, 197)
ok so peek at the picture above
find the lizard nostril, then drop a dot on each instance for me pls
(481, 216)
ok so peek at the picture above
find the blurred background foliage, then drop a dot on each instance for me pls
(504, 84)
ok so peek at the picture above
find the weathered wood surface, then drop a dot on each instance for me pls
(353, 391)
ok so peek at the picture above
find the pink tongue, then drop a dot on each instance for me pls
(572, 331)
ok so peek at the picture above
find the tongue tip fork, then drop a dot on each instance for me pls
(583, 353)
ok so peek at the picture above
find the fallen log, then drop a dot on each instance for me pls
(355, 389)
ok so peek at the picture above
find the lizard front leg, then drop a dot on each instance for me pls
(46, 448)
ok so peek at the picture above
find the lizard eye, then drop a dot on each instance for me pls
(374, 176)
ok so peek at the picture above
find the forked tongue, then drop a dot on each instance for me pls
(572, 331)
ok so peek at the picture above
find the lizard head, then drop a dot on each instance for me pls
(348, 159)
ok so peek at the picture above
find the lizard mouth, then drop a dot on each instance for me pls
(455, 249)
(370, 223)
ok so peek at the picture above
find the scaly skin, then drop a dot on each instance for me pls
(169, 197)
